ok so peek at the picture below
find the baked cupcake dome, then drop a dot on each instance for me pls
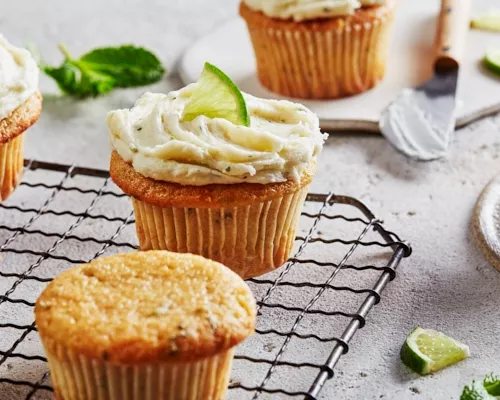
(163, 321)
(321, 58)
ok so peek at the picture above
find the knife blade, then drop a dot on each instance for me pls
(420, 122)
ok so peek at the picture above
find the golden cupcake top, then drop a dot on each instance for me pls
(232, 138)
(146, 307)
(301, 10)
(18, 77)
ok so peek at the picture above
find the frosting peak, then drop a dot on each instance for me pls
(283, 138)
(300, 10)
(18, 77)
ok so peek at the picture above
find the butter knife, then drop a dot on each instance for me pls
(420, 122)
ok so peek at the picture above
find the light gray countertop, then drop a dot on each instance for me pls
(446, 284)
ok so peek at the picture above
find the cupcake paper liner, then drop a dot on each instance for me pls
(312, 62)
(11, 165)
(76, 377)
(251, 240)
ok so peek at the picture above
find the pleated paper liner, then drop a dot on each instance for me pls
(11, 165)
(325, 59)
(251, 240)
(76, 377)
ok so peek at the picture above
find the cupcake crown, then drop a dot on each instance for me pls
(282, 139)
(146, 307)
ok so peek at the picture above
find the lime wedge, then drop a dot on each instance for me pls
(492, 61)
(216, 96)
(426, 351)
(489, 21)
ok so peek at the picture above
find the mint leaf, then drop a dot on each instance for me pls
(476, 391)
(101, 70)
(72, 81)
(127, 65)
(65, 77)
(492, 384)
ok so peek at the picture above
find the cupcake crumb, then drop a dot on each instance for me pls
(234, 382)
(415, 390)
(269, 347)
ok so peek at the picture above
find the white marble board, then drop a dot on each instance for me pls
(410, 63)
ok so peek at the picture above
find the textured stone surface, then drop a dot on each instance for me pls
(446, 284)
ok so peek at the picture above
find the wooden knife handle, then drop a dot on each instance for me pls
(452, 28)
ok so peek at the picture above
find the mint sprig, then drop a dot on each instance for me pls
(489, 389)
(492, 384)
(476, 391)
(103, 69)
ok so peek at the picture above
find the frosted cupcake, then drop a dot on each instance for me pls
(319, 49)
(216, 172)
(20, 107)
(144, 326)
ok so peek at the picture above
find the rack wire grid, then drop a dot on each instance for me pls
(64, 215)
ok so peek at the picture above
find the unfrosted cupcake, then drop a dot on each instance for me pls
(229, 190)
(144, 326)
(20, 107)
(319, 49)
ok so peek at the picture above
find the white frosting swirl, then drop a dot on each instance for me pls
(283, 138)
(300, 10)
(18, 77)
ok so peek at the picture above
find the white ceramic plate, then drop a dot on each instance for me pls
(486, 222)
(410, 63)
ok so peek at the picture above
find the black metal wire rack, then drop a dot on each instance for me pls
(64, 215)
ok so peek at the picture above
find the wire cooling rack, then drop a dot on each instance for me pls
(308, 310)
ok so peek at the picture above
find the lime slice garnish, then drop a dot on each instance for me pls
(489, 21)
(492, 61)
(216, 96)
(426, 351)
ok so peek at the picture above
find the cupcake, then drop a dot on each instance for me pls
(20, 107)
(319, 49)
(228, 188)
(144, 326)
